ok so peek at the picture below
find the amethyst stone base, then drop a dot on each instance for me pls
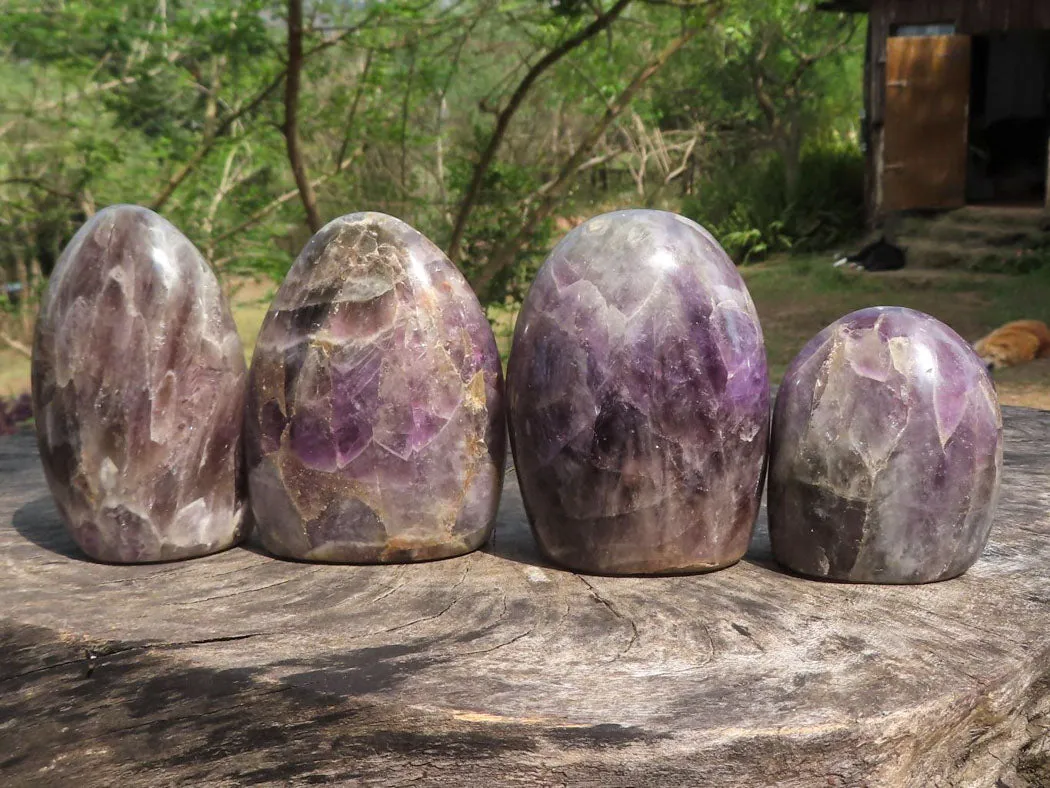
(886, 452)
(375, 425)
(138, 392)
(639, 399)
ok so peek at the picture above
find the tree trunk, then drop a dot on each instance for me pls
(291, 112)
(440, 154)
(791, 150)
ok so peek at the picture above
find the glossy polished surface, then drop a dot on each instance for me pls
(375, 424)
(886, 452)
(138, 392)
(639, 399)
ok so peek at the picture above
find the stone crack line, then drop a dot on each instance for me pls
(145, 577)
(292, 579)
(502, 615)
(616, 614)
(440, 613)
(420, 620)
(498, 646)
(398, 584)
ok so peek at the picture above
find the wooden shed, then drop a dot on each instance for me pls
(957, 102)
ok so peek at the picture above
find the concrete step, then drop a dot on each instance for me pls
(984, 226)
(933, 253)
(979, 234)
(999, 216)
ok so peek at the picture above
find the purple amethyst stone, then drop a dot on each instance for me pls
(138, 391)
(886, 453)
(375, 425)
(639, 399)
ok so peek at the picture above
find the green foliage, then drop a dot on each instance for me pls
(1032, 259)
(748, 207)
(781, 85)
(179, 104)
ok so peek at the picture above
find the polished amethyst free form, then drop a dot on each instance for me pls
(375, 424)
(886, 452)
(138, 392)
(639, 399)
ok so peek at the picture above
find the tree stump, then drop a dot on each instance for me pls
(498, 669)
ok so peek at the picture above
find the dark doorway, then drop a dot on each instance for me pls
(1009, 118)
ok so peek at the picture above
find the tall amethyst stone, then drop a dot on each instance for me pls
(639, 399)
(886, 453)
(138, 391)
(375, 426)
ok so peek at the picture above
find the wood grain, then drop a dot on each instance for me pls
(240, 669)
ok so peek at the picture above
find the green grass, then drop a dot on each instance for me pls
(797, 297)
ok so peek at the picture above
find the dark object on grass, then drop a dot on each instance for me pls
(13, 412)
(880, 255)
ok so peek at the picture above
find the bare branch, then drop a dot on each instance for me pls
(209, 141)
(273, 205)
(231, 178)
(504, 118)
(685, 159)
(39, 184)
(15, 345)
(291, 114)
(404, 114)
(590, 164)
(351, 118)
(504, 254)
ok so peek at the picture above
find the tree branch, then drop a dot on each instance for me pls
(276, 203)
(505, 253)
(404, 114)
(503, 120)
(590, 164)
(291, 111)
(39, 184)
(209, 141)
(15, 345)
(352, 117)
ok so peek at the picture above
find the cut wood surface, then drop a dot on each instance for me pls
(498, 669)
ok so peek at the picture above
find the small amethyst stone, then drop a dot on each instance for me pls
(639, 399)
(138, 391)
(375, 426)
(886, 453)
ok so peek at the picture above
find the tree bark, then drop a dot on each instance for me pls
(277, 202)
(504, 254)
(470, 198)
(209, 141)
(292, 85)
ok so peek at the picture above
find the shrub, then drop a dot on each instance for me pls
(746, 203)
